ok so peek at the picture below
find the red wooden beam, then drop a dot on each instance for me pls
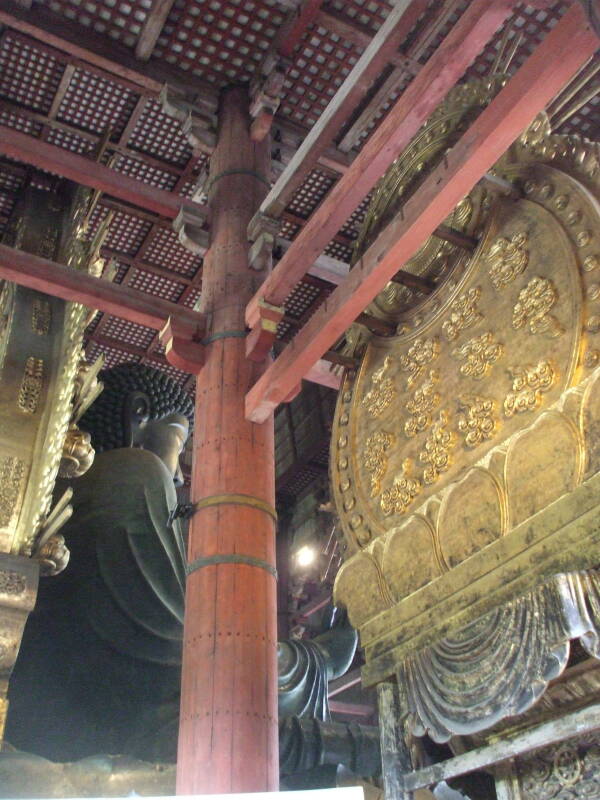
(353, 709)
(69, 284)
(303, 18)
(551, 66)
(376, 56)
(477, 25)
(90, 173)
(344, 682)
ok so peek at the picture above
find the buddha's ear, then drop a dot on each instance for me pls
(136, 413)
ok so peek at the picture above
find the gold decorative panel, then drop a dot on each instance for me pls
(40, 353)
(481, 475)
(477, 361)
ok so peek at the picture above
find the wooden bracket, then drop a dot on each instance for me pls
(262, 231)
(261, 338)
(198, 120)
(182, 349)
(189, 226)
(266, 95)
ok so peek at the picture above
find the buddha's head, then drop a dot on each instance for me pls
(141, 407)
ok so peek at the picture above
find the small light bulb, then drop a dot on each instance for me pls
(305, 556)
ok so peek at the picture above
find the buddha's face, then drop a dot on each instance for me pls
(165, 437)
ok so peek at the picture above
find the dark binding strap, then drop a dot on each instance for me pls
(230, 558)
(234, 500)
(240, 171)
(224, 335)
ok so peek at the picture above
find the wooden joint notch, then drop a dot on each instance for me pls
(262, 231)
(188, 225)
(261, 338)
(416, 282)
(183, 348)
(197, 118)
(376, 325)
(501, 186)
(457, 238)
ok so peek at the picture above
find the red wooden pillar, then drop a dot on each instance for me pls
(228, 736)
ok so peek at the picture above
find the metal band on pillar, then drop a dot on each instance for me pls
(230, 558)
(236, 500)
(228, 172)
(224, 335)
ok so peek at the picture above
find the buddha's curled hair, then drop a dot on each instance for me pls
(104, 420)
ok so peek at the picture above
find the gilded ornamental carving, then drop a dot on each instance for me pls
(419, 355)
(382, 391)
(533, 307)
(507, 259)
(464, 314)
(529, 383)
(421, 405)
(478, 355)
(375, 458)
(403, 491)
(477, 422)
(437, 451)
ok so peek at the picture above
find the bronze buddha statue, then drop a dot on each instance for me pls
(99, 667)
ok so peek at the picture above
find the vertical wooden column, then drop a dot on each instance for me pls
(228, 738)
(395, 755)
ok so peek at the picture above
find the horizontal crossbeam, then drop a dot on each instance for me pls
(70, 284)
(90, 173)
(514, 108)
(577, 723)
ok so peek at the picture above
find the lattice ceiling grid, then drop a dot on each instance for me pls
(219, 41)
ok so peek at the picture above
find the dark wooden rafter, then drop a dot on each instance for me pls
(513, 109)
(276, 64)
(76, 46)
(112, 58)
(354, 32)
(152, 27)
(49, 122)
(477, 25)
